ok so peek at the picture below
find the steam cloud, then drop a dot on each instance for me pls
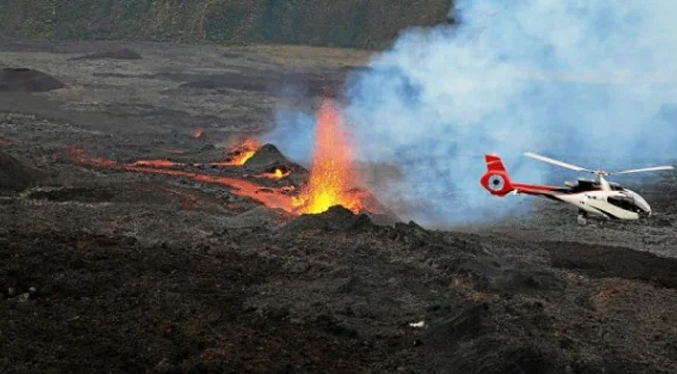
(591, 82)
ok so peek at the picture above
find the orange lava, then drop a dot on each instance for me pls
(332, 176)
(156, 163)
(272, 198)
(197, 133)
(241, 153)
(277, 174)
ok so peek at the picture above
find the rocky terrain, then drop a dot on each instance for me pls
(114, 270)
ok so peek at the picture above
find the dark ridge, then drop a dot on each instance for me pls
(14, 176)
(617, 262)
(79, 194)
(232, 55)
(337, 218)
(27, 80)
(302, 83)
(267, 157)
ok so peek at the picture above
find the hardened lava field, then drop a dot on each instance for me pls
(146, 226)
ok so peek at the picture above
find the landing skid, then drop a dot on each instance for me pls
(582, 219)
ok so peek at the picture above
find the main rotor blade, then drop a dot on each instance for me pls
(558, 163)
(654, 168)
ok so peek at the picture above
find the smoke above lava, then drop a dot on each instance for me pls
(590, 82)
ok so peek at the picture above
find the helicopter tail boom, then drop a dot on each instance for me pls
(497, 181)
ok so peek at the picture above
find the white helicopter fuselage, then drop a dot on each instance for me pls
(621, 205)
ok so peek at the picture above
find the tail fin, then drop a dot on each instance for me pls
(496, 179)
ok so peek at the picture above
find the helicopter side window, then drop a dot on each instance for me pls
(625, 203)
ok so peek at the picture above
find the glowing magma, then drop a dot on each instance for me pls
(197, 133)
(240, 154)
(273, 198)
(332, 176)
(276, 174)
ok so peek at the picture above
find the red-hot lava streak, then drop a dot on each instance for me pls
(278, 173)
(240, 154)
(332, 176)
(197, 133)
(157, 163)
(273, 198)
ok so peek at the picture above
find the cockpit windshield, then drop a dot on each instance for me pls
(630, 200)
(639, 201)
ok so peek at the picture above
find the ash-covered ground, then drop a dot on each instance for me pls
(117, 271)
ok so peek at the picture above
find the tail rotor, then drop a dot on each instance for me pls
(496, 180)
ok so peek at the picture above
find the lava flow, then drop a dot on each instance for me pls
(332, 177)
(241, 153)
(278, 173)
(273, 198)
(332, 181)
(157, 163)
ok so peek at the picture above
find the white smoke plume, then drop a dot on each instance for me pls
(592, 82)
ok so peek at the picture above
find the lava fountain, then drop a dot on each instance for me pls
(332, 176)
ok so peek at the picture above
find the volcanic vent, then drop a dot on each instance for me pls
(333, 179)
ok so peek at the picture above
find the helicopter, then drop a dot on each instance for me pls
(599, 199)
